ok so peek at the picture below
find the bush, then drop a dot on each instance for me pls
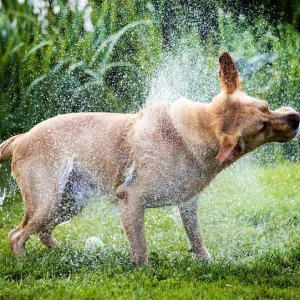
(108, 56)
(57, 64)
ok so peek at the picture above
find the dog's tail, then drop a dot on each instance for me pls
(7, 147)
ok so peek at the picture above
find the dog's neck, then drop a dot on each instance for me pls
(194, 123)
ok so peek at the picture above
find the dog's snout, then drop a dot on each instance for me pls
(293, 120)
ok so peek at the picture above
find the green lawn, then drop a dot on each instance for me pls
(250, 218)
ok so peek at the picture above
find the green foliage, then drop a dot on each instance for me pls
(250, 216)
(63, 68)
(250, 219)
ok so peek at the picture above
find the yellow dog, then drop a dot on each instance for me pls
(163, 155)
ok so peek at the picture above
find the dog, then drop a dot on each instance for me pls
(166, 154)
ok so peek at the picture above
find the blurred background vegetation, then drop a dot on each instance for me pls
(59, 56)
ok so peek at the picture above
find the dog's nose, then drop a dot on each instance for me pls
(293, 120)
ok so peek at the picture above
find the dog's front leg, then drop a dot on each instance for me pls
(132, 216)
(190, 219)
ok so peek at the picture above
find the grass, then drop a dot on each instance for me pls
(250, 217)
(250, 214)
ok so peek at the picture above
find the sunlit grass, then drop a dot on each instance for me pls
(250, 215)
(250, 220)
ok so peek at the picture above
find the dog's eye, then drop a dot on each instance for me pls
(263, 126)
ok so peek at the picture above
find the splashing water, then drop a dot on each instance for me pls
(186, 73)
(189, 71)
(2, 197)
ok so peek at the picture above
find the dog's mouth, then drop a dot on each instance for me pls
(236, 152)
(288, 137)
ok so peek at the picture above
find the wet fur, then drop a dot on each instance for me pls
(164, 155)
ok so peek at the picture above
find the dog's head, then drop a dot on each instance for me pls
(243, 123)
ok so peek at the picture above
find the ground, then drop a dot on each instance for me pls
(250, 218)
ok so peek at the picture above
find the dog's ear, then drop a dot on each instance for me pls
(230, 81)
(228, 148)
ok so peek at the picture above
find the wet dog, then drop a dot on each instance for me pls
(163, 155)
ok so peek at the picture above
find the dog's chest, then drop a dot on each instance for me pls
(172, 178)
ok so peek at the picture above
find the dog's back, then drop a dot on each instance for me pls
(96, 140)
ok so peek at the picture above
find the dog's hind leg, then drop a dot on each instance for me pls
(36, 219)
(40, 193)
(76, 186)
(51, 196)
(33, 222)
(46, 237)
(17, 243)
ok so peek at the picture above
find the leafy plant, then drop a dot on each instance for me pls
(118, 63)
(63, 68)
